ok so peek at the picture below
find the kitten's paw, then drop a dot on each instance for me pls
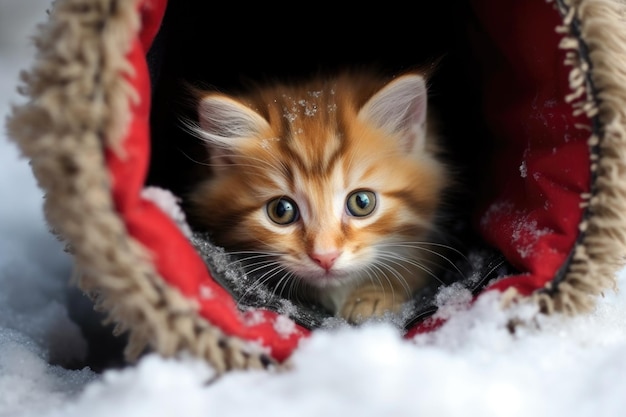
(367, 303)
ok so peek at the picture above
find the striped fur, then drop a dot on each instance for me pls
(316, 143)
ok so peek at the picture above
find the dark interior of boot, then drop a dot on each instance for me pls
(222, 45)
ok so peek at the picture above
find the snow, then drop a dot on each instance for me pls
(169, 204)
(472, 366)
(526, 234)
(523, 170)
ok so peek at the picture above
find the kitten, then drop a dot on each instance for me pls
(329, 190)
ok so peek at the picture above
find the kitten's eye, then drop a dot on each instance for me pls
(282, 211)
(361, 203)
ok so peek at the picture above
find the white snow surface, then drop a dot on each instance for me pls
(472, 366)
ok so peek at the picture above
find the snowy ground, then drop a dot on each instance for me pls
(472, 367)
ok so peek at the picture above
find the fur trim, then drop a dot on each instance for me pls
(595, 41)
(79, 102)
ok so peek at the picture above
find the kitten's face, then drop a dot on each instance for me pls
(318, 179)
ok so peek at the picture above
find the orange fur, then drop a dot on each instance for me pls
(316, 143)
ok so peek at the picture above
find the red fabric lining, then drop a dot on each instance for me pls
(173, 256)
(541, 158)
(531, 208)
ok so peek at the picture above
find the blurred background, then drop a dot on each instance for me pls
(34, 269)
(20, 199)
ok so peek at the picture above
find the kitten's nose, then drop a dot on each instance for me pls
(326, 259)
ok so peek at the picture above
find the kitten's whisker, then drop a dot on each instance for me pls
(419, 266)
(242, 256)
(246, 262)
(194, 129)
(244, 252)
(263, 279)
(284, 280)
(393, 295)
(397, 275)
(371, 274)
(263, 265)
(390, 256)
(256, 266)
(293, 283)
(420, 245)
(261, 164)
(409, 260)
(498, 265)
(440, 255)
(264, 163)
(416, 263)
(193, 160)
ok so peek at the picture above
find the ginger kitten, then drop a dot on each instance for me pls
(328, 191)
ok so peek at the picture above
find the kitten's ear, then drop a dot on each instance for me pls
(399, 108)
(227, 124)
